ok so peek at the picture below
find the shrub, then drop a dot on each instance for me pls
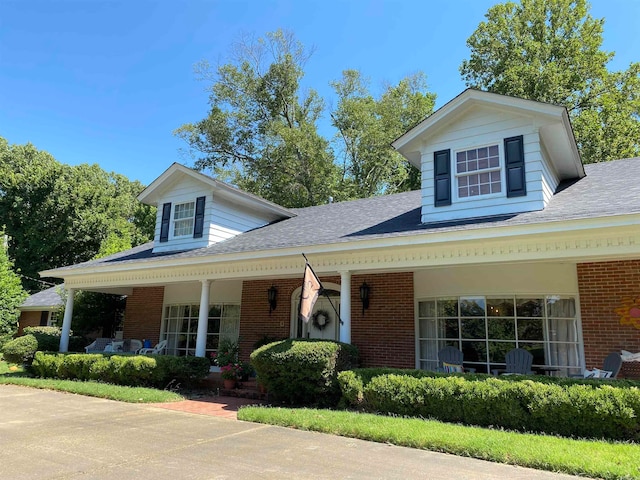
(134, 370)
(49, 339)
(20, 350)
(303, 372)
(560, 407)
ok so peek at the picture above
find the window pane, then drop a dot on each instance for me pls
(473, 328)
(427, 328)
(449, 328)
(427, 308)
(530, 330)
(213, 325)
(215, 311)
(530, 307)
(561, 330)
(497, 350)
(474, 351)
(428, 350)
(561, 307)
(537, 350)
(493, 150)
(231, 311)
(195, 311)
(212, 342)
(502, 328)
(500, 307)
(472, 307)
(447, 307)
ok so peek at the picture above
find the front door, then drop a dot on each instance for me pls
(324, 323)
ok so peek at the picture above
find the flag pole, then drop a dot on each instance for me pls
(322, 291)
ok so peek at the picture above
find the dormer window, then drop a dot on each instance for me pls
(478, 172)
(183, 219)
(188, 219)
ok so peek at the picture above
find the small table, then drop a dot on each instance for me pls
(549, 371)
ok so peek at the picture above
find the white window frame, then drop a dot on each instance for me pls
(548, 342)
(185, 219)
(189, 312)
(500, 168)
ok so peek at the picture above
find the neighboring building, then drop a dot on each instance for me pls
(41, 309)
(510, 242)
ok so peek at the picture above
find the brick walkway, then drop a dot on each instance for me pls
(226, 407)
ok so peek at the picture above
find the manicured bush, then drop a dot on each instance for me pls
(49, 339)
(577, 408)
(20, 350)
(134, 370)
(303, 372)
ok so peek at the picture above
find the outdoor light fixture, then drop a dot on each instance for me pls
(364, 296)
(272, 295)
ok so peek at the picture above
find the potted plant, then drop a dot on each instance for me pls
(229, 375)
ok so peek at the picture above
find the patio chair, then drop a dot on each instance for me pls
(450, 360)
(518, 362)
(157, 350)
(612, 363)
(134, 345)
(98, 345)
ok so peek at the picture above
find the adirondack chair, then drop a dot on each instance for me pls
(518, 362)
(612, 363)
(453, 358)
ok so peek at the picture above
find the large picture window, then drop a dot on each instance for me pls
(478, 171)
(486, 328)
(183, 219)
(180, 327)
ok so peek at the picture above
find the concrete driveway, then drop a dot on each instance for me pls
(52, 435)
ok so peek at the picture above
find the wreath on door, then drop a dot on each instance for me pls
(321, 319)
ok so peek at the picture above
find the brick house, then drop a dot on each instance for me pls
(510, 242)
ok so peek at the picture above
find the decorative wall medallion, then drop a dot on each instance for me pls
(630, 312)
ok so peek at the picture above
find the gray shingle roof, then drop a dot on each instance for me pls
(46, 298)
(610, 188)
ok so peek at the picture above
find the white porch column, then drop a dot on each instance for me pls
(345, 307)
(203, 319)
(66, 322)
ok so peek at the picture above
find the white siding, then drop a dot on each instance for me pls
(518, 279)
(550, 178)
(483, 126)
(222, 218)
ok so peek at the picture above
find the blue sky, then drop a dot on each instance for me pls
(107, 82)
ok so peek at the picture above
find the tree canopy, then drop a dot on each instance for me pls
(11, 292)
(551, 51)
(262, 132)
(57, 215)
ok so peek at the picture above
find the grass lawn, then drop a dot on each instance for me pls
(597, 459)
(10, 374)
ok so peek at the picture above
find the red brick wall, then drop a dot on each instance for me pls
(143, 314)
(385, 335)
(28, 319)
(604, 286)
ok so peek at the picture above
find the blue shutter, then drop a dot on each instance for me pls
(164, 226)
(442, 178)
(199, 223)
(514, 161)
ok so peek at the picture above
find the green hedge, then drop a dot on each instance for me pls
(575, 408)
(158, 371)
(49, 339)
(20, 350)
(302, 371)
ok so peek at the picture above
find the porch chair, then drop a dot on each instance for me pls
(518, 362)
(157, 350)
(450, 360)
(612, 363)
(98, 345)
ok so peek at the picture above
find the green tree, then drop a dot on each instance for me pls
(261, 131)
(58, 215)
(11, 292)
(551, 51)
(366, 127)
